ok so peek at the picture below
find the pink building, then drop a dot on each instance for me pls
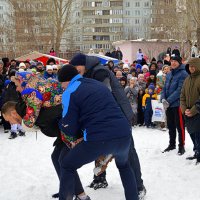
(150, 48)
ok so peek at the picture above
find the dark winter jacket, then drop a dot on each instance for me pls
(173, 85)
(10, 93)
(98, 72)
(88, 105)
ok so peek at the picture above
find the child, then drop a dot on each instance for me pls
(123, 82)
(49, 72)
(10, 94)
(140, 116)
(147, 106)
(152, 78)
(145, 70)
(132, 93)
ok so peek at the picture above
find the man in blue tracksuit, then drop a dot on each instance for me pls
(89, 106)
(171, 101)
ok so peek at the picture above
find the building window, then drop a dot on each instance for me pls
(137, 4)
(127, 12)
(137, 21)
(1, 7)
(146, 4)
(127, 4)
(137, 12)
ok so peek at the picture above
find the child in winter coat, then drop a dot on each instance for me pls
(152, 78)
(10, 94)
(147, 106)
(140, 116)
(145, 70)
(49, 72)
(123, 81)
(132, 93)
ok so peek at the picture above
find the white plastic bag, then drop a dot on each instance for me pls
(158, 111)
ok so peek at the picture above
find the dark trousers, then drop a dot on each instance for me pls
(148, 117)
(86, 152)
(175, 121)
(197, 143)
(195, 137)
(192, 136)
(6, 125)
(59, 148)
(140, 117)
(135, 166)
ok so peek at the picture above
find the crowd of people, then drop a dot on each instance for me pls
(90, 108)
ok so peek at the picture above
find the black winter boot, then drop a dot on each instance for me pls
(181, 150)
(12, 135)
(169, 148)
(56, 195)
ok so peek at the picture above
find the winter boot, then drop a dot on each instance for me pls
(169, 148)
(12, 135)
(6, 131)
(181, 150)
(198, 161)
(21, 133)
(141, 193)
(192, 157)
(99, 182)
(56, 195)
(85, 198)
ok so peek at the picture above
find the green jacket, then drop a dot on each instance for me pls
(191, 89)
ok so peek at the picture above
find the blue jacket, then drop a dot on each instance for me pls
(89, 106)
(47, 75)
(173, 85)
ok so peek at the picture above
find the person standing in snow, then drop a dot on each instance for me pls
(170, 97)
(194, 51)
(132, 94)
(139, 56)
(147, 106)
(189, 95)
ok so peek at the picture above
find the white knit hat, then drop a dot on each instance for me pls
(126, 66)
(49, 67)
(145, 67)
(22, 65)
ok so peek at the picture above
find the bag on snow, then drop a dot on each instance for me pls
(158, 111)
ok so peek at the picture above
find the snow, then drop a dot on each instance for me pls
(26, 171)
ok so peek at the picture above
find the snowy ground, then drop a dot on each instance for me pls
(26, 171)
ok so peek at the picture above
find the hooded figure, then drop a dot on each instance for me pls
(189, 96)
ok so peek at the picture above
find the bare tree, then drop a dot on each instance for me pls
(61, 19)
(194, 10)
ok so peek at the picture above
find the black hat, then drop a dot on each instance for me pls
(152, 72)
(78, 59)
(67, 73)
(177, 58)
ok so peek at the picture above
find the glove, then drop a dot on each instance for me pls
(165, 104)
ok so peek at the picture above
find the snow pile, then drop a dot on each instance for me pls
(26, 171)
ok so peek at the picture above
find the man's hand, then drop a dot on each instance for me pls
(188, 113)
(165, 104)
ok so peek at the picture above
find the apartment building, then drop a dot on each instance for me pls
(136, 19)
(6, 27)
(102, 24)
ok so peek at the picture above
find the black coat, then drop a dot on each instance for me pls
(101, 73)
